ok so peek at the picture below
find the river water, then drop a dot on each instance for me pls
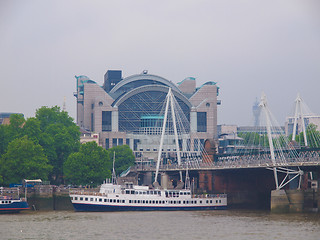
(225, 224)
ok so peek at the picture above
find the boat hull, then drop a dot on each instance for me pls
(82, 207)
(13, 207)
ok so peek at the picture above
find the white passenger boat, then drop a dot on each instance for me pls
(129, 197)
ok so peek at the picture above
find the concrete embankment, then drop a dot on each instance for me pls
(48, 198)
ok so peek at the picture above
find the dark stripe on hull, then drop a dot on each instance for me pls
(79, 207)
(13, 207)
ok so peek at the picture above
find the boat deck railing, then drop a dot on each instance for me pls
(92, 193)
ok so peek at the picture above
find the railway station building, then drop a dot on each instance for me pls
(125, 110)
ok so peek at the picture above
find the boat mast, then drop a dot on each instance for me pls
(187, 181)
(114, 177)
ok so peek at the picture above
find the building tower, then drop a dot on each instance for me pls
(256, 113)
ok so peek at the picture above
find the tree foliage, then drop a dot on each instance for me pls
(60, 137)
(91, 165)
(124, 158)
(24, 159)
(47, 146)
(313, 137)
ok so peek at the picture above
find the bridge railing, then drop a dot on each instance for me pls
(242, 161)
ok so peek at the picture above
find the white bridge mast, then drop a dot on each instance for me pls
(169, 100)
(299, 113)
(287, 171)
(264, 106)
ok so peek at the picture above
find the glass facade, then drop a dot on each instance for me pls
(133, 111)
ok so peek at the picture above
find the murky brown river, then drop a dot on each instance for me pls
(229, 224)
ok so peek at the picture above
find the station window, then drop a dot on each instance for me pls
(107, 143)
(106, 121)
(114, 142)
(201, 121)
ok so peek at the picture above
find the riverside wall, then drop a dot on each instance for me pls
(48, 198)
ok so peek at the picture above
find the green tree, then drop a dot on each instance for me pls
(124, 158)
(32, 129)
(91, 165)
(15, 127)
(11, 131)
(4, 139)
(60, 137)
(24, 159)
(313, 137)
(53, 115)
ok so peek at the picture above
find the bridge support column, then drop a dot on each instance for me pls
(147, 179)
(284, 201)
(279, 201)
(205, 181)
(165, 181)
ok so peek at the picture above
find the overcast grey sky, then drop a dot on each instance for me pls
(245, 46)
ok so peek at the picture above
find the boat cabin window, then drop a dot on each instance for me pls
(86, 199)
(81, 199)
(132, 191)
